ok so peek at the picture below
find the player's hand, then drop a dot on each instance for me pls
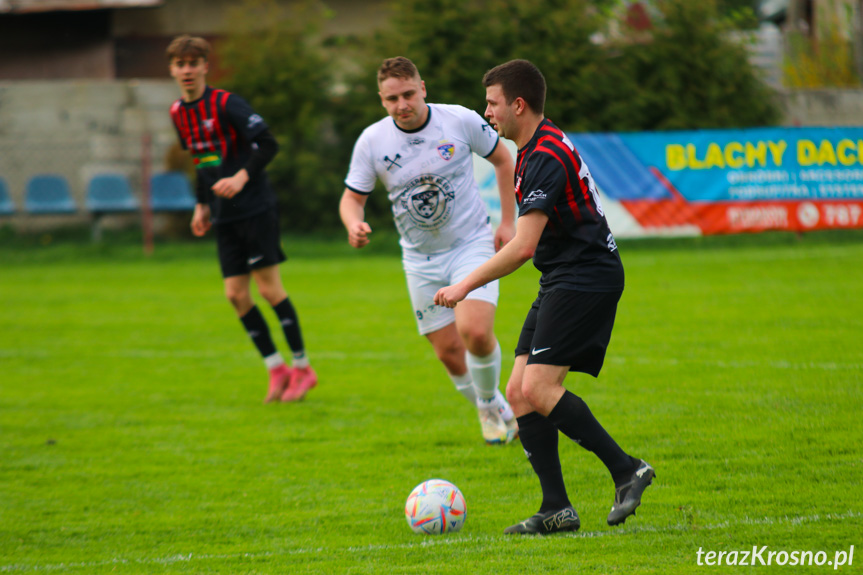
(358, 234)
(201, 220)
(503, 235)
(449, 296)
(230, 187)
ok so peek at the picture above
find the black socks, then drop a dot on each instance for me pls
(257, 329)
(539, 439)
(290, 324)
(572, 416)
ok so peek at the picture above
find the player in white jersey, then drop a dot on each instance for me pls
(422, 153)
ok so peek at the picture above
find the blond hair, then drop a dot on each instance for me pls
(398, 67)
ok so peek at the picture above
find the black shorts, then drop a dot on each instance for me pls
(249, 244)
(568, 327)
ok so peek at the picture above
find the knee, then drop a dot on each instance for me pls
(273, 294)
(449, 352)
(530, 392)
(478, 340)
(239, 297)
(513, 392)
(515, 397)
(451, 355)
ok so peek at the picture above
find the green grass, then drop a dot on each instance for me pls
(133, 438)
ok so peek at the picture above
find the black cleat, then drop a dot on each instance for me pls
(628, 496)
(565, 519)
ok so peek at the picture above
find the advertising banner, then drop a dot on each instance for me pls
(727, 181)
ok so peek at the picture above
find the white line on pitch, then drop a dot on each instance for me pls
(429, 542)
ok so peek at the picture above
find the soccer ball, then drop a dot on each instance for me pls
(435, 506)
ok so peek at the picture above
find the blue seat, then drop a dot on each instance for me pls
(110, 193)
(7, 207)
(171, 192)
(48, 194)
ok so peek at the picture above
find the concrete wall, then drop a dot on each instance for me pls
(824, 108)
(80, 128)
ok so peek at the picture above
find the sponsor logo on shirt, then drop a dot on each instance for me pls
(207, 159)
(254, 120)
(416, 141)
(446, 151)
(534, 196)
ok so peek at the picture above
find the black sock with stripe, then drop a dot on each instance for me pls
(291, 326)
(258, 330)
(539, 438)
(572, 416)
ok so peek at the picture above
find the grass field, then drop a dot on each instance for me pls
(133, 438)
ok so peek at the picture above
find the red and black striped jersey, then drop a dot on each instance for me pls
(577, 249)
(218, 129)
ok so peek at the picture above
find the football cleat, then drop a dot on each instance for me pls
(565, 519)
(302, 381)
(511, 430)
(280, 377)
(628, 496)
(494, 428)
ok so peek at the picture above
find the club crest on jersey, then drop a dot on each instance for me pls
(208, 124)
(446, 151)
(428, 202)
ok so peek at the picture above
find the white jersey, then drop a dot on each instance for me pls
(428, 174)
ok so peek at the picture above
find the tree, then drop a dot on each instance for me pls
(276, 60)
(317, 94)
(688, 74)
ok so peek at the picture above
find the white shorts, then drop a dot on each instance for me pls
(426, 274)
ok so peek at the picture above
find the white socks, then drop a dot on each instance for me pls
(274, 361)
(485, 372)
(464, 385)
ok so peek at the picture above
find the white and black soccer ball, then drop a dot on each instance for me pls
(435, 506)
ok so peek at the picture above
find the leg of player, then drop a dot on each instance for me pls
(237, 292)
(303, 377)
(631, 476)
(543, 388)
(450, 351)
(540, 441)
(475, 324)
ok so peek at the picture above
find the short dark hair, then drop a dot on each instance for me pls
(186, 46)
(518, 79)
(398, 67)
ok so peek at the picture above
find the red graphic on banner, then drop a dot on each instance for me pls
(737, 217)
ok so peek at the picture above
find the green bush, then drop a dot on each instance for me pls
(277, 61)
(684, 73)
(318, 94)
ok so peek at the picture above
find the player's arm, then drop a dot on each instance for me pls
(511, 257)
(264, 148)
(201, 219)
(352, 210)
(504, 172)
